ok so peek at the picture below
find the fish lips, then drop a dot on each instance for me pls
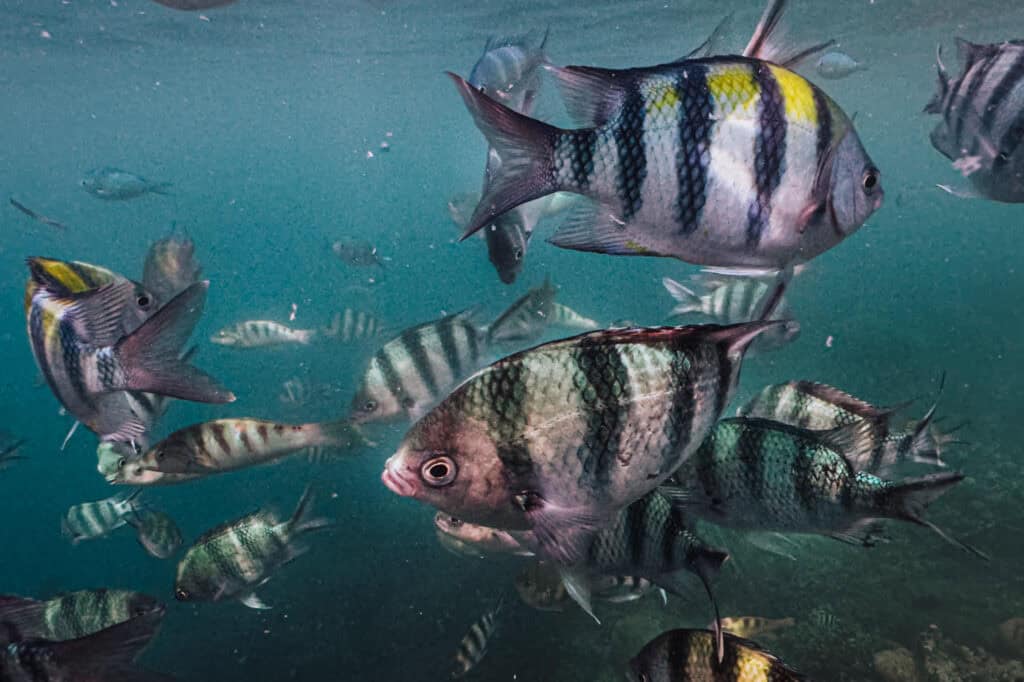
(395, 481)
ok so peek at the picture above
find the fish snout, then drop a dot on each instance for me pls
(395, 479)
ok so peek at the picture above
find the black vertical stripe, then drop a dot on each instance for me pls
(450, 349)
(580, 146)
(473, 341)
(392, 379)
(750, 446)
(681, 406)
(967, 107)
(677, 657)
(634, 531)
(725, 377)
(997, 94)
(769, 151)
(1010, 141)
(631, 170)
(803, 471)
(693, 155)
(824, 141)
(72, 362)
(604, 395)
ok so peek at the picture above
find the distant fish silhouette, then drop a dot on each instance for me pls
(38, 217)
(191, 5)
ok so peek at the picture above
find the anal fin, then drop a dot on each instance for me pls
(598, 228)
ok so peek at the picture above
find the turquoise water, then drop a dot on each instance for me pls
(262, 115)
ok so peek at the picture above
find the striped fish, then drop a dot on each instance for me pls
(752, 626)
(262, 334)
(74, 614)
(473, 646)
(170, 267)
(221, 445)
(982, 112)
(756, 474)
(349, 326)
(92, 520)
(157, 533)
(233, 559)
(525, 320)
(540, 586)
(567, 318)
(474, 540)
(728, 300)
(413, 371)
(562, 437)
(682, 655)
(735, 162)
(620, 589)
(819, 407)
(95, 335)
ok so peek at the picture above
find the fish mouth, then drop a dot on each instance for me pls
(395, 481)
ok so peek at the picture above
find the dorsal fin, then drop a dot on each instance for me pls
(592, 95)
(841, 399)
(768, 43)
(854, 442)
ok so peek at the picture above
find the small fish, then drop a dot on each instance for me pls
(157, 533)
(525, 320)
(91, 520)
(171, 267)
(74, 614)
(9, 453)
(413, 371)
(111, 456)
(823, 618)
(748, 627)
(684, 655)
(222, 445)
(349, 326)
(116, 184)
(620, 589)
(567, 318)
(509, 70)
(541, 440)
(835, 65)
(105, 656)
(749, 182)
(729, 300)
(234, 559)
(38, 217)
(473, 646)
(540, 586)
(756, 474)
(294, 391)
(95, 335)
(473, 540)
(262, 334)
(357, 252)
(981, 129)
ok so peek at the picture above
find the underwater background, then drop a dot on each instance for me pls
(262, 115)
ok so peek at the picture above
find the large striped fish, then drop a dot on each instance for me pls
(411, 372)
(96, 334)
(74, 614)
(735, 162)
(222, 445)
(560, 438)
(684, 655)
(982, 124)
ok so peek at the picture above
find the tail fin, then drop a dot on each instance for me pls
(301, 521)
(927, 443)
(150, 356)
(688, 301)
(738, 337)
(26, 618)
(525, 147)
(911, 497)
(114, 648)
(344, 434)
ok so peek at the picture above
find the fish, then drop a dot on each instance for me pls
(753, 626)
(112, 455)
(92, 520)
(262, 334)
(981, 128)
(157, 533)
(223, 445)
(294, 391)
(349, 326)
(565, 317)
(820, 407)
(105, 656)
(681, 655)
(728, 300)
(9, 453)
(170, 267)
(560, 438)
(232, 560)
(357, 252)
(473, 646)
(116, 184)
(38, 217)
(509, 69)
(620, 589)
(75, 614)
(411, 372)
(756, 474)
(728, 161)
(526, 319)
(835, 65)
(473, 540)
(823, 618)
(540, 586)
(95, 335)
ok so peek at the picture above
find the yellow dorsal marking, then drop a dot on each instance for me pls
(798, 96)
(662, 98)
(733, 87)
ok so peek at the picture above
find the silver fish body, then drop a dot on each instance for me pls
(351, 326)
(262, 334)
(835, 65)
(116, 184)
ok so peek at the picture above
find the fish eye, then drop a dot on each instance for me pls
(870, 180)
(181, 594)
(369, 406)
(438, 471)
(518, 255)
(143, 300)
(121, 462)
(408, 403)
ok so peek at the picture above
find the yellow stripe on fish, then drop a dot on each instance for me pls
(732, 87)
(662, 98)
(798, 97)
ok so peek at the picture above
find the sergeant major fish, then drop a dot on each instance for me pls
(262, 334)
(232, 560)
(527, 318)
(74, 614)
(753, 626)
(116, 184)
(350, 325)
(473, 646)
(982, 126)
(95, 334)
(157, 533)
(560, 438)
(91, 520)
(734, 162)
(565, 317)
